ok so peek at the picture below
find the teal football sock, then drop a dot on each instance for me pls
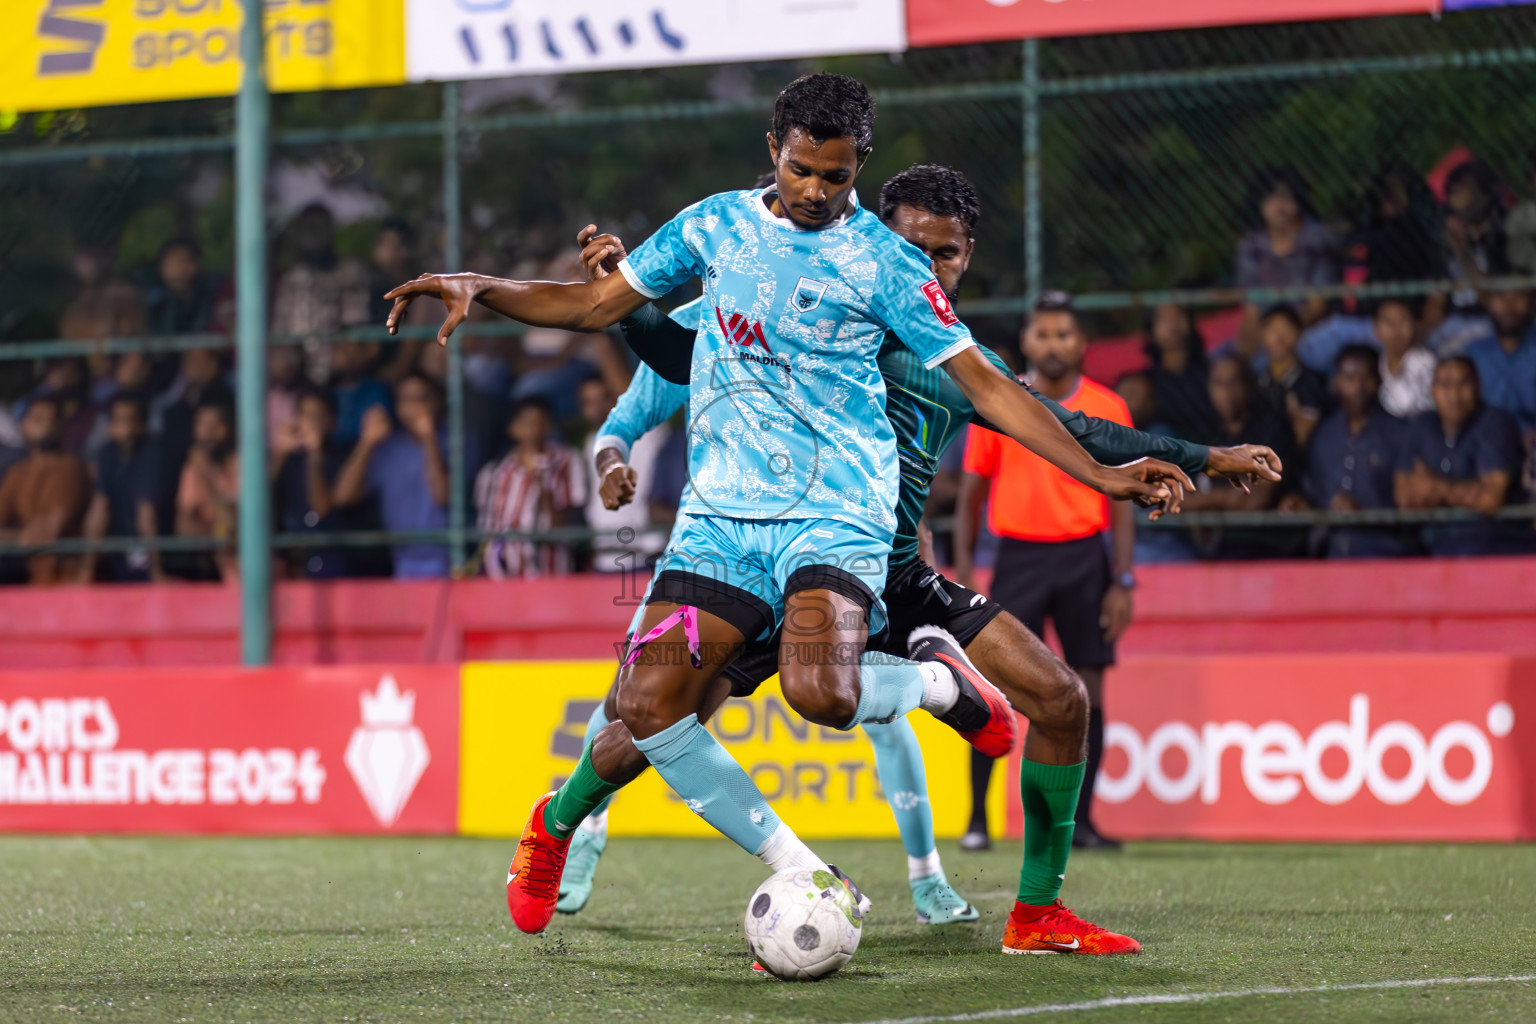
(903, 779)
(711, 783)
(888, 689)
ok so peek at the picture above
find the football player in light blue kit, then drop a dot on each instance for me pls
(794, 472)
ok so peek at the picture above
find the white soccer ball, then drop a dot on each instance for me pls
(803, 924)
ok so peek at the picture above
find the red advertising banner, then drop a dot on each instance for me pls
(1321, 747)
(951, 22)
(318, 750)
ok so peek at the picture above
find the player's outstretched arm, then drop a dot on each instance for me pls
(584, 306)
(999, 400)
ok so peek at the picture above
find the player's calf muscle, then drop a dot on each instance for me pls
(1038, 684)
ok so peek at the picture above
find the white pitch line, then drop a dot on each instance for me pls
(1193, 997)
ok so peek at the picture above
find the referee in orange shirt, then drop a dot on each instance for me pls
(1052, 561)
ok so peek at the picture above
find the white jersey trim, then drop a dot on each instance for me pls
(635, 282)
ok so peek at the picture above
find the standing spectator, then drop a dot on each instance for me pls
(611, 553)
(407, 470)
(43, 496)
(107, 306)
(1506, 356)
(1153, 544)
(128, 486)
(321, 292)
(1398, 228)
(1052, 562)
(356, 389)
(538, 485)
(208, 497)
(1287, 249)
(305, 466)
(1467, 455)
(1291, 389)
(1245, 418)
(182, 300)
(1353, 458)
(1178, 373)
(285, 383)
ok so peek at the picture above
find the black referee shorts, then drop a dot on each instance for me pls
(1064, 581)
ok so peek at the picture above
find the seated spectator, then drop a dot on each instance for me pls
(1475, 248)
(1407, 368)
(132, 374)
(406, 469)
(320, 293)
(1287, 249)
(1245, 418)
(64, 381)
(171, 415)
(43, 496)
(1467, 455)
(285, 383)
(128, 486)
(611, 553)
(1398, 228)
(107, 306)
(208, 496)
(182, 300)
(356, 389)
(538, 485)
(1178, 373)
(1153, 544)
(1292, 390)
(305, 465)
(1352, 461)
(1505, 357)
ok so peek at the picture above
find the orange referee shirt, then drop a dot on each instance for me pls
(1030, 499)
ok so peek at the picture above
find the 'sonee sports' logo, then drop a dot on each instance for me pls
(1277, 761)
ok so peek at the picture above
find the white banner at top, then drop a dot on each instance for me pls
(449, 39)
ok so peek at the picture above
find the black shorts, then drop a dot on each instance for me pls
(916, 594)
(1064, 581)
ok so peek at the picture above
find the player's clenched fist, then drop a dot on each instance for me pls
(617, 481)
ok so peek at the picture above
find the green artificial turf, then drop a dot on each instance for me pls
(130, 929)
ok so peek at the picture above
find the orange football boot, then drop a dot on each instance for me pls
(1055, 929)
(533, 880)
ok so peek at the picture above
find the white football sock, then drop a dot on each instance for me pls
(940, 690)
(784, 851)
(924, 867)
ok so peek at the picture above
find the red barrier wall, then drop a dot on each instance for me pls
(1412, 605)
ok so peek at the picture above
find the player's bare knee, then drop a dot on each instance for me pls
(640, 708)
(1064, 706)
(824, 694)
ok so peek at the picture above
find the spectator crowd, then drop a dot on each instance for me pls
(1407, 403)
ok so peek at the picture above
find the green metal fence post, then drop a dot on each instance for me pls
(453, 255)
(252, 128)
(1031, 98)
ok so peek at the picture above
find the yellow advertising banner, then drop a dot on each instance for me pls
(56, 54)
(521, 734)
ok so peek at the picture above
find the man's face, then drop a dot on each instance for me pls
(315, 415)
(1510, 311)
(1053, 344)
(414, 401)
(1466, 200)
(1229, 391)
(530, 427)
(813, 179)
(199, 366)
(209, 429)
(178, 269)
(1356, 383)
(944, 240)
(1456, 394)
(1280, 337)
(125, 423)
(1394, 328)
(41, 425)
(1280, 208)
(390, 252)
(595, 402)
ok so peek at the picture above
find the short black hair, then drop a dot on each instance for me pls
(539, 402)
(1409, 302)
(1285, 312)
(1364, 353)
(400, 226)
(1053, 301)
(827, 106)
(324, 396)
(1464, 361)
(941, 191)
(1475, 171)
(137, 399)
(186, 242)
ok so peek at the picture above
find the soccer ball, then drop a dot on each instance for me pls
(803, 924)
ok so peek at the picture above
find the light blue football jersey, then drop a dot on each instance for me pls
(787, 405)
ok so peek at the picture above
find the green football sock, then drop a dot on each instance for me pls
(579, 797)
(1049, 794)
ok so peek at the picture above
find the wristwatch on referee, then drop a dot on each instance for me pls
(1126, 580)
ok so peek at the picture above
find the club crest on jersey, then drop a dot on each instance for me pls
(808, 294)
(934, 293)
